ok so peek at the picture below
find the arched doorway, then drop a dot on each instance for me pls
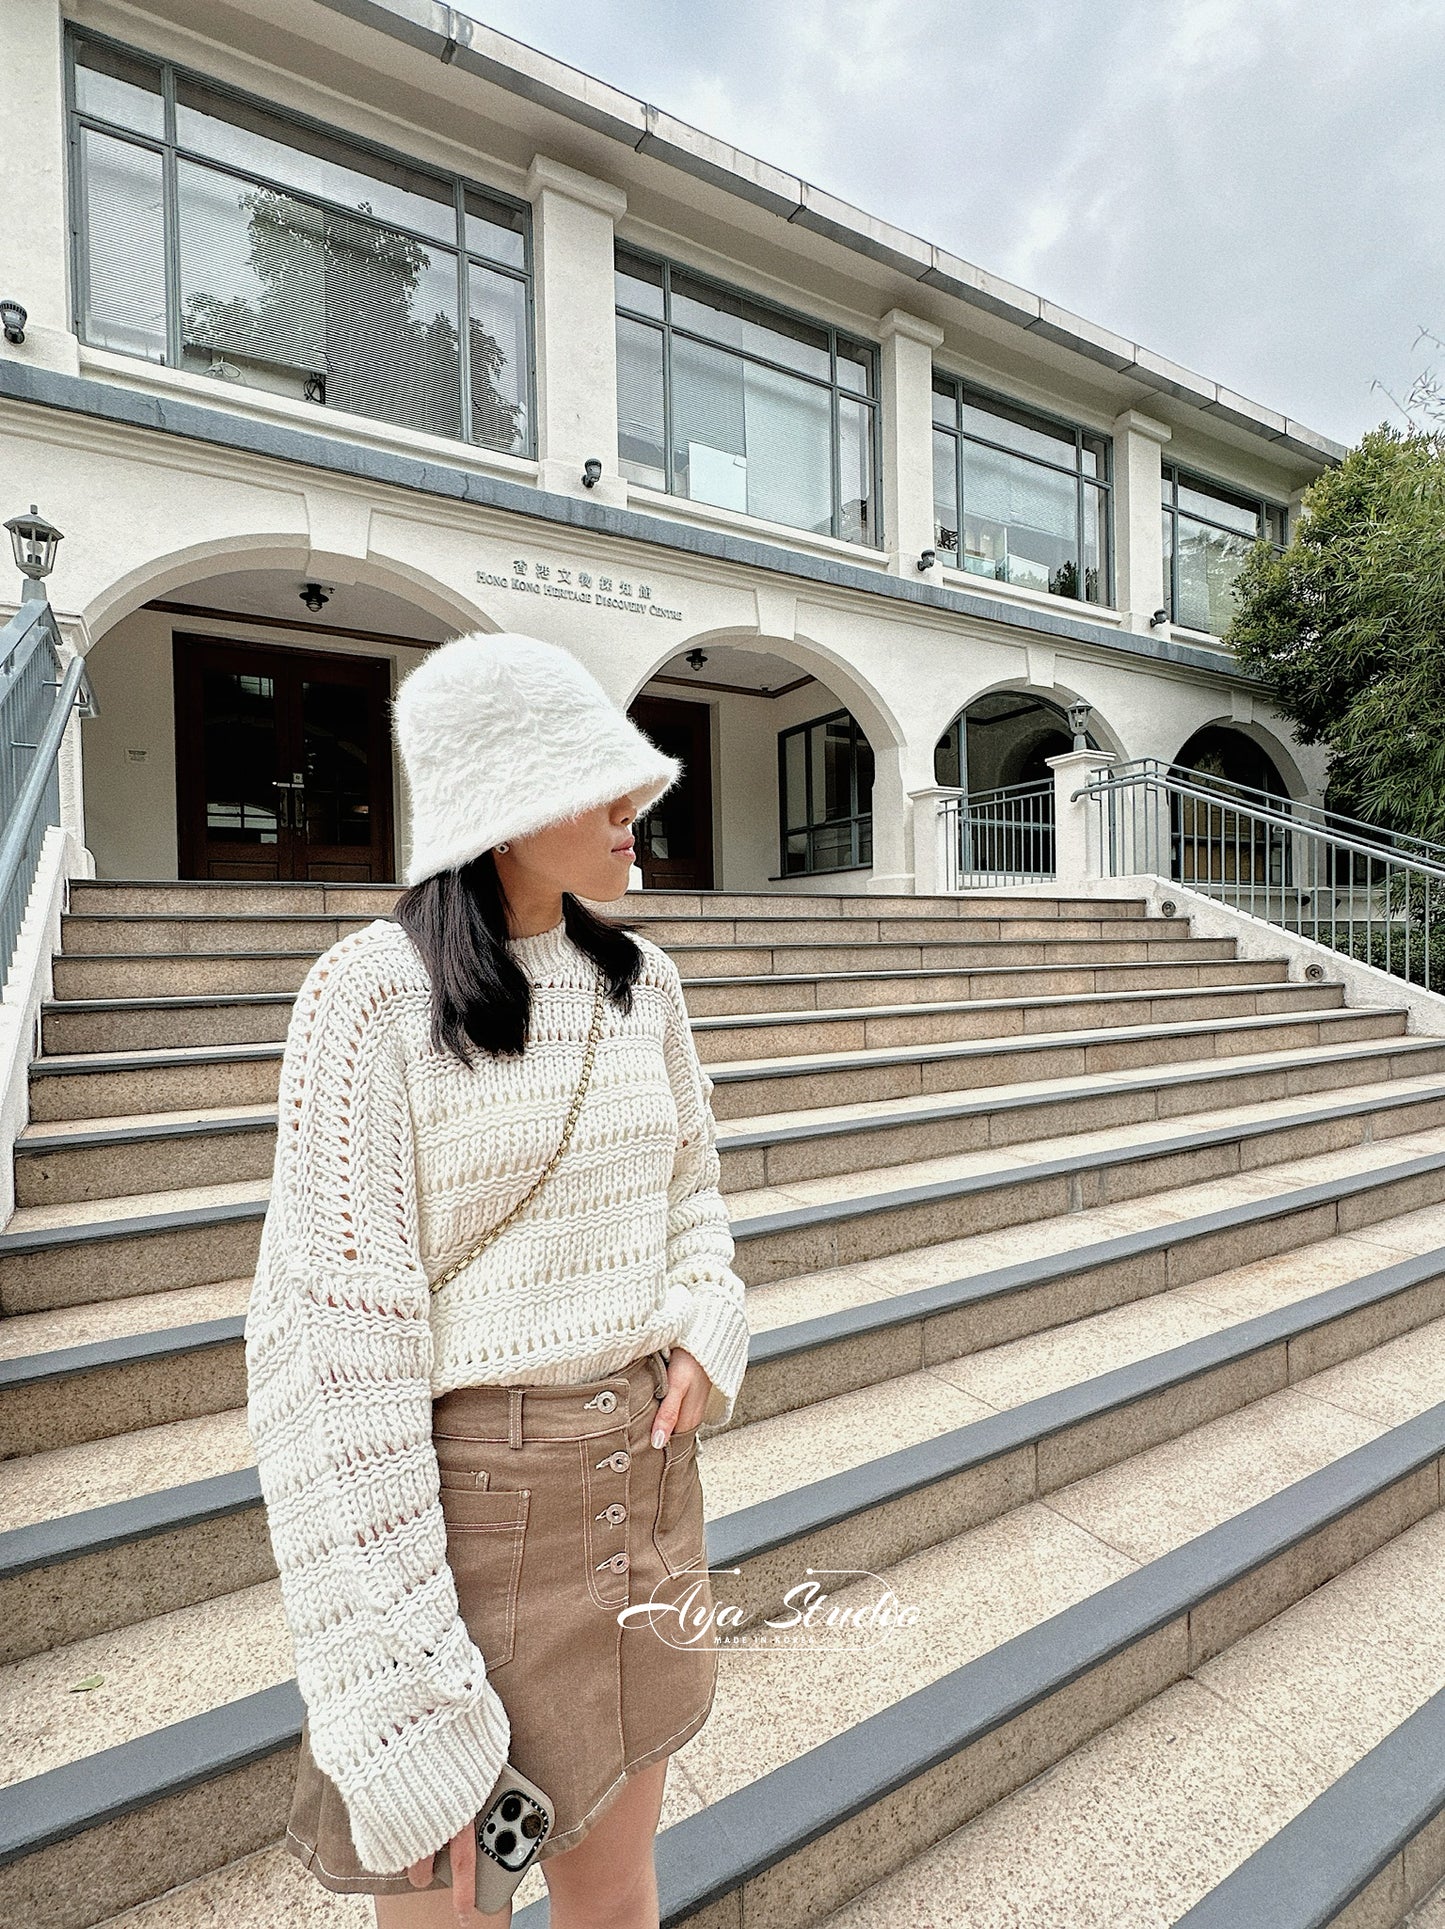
(1228, 755)
(1003, 740)
(244, 730)
(1212, 844)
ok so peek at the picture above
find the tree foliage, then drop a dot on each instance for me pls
(1347, 627)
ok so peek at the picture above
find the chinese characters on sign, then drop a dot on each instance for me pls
(530, 578)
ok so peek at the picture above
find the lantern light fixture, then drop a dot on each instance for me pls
(13, 317)
(1079, 714)
(33, 540)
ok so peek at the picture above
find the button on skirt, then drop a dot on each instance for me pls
(559, 1513)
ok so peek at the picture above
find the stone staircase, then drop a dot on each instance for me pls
(1097, 1284)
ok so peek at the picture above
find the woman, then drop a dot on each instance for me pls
(493, 1303)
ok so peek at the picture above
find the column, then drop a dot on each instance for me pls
(1138, 537)
(906, 411)
(34, 222)
(935, 867)
(1078, 846)
(573, 217)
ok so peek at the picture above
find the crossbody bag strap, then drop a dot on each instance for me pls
(556, 1158)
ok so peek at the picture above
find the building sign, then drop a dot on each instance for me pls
(570, 585)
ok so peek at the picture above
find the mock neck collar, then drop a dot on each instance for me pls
(545, 951)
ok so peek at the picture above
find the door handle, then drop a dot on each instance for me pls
(288, 804)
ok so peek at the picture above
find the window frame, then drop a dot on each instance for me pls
(963, 388)
(1172, 475)
(855, 817)
(666, 327)
(172, 153)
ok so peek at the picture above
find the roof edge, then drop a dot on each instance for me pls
(458, 40)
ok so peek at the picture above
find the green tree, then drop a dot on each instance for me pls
(1346, 628)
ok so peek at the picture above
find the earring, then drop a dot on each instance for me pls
(504, 847)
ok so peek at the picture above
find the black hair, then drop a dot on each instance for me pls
(479, 993)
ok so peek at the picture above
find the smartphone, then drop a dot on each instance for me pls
(509, 1830)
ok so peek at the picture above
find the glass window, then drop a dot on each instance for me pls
(307, 264)
(727, 401)
(1208, 533)
(242, 136)
(122, 220)
(1017, 497)
(825, 781)
(114, 87)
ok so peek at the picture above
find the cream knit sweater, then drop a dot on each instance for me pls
(392, 1160)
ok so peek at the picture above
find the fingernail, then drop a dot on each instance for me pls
(659, 1437)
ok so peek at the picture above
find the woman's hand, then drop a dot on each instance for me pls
(462, 1850)
(688, 1390)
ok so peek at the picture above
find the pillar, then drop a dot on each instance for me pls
(906, 411)
(573, 217)
(1138, 525)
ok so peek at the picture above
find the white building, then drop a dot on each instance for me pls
(866, 519)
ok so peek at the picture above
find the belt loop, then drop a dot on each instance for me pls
(514, 1415)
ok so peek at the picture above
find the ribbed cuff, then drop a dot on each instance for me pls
(716, 1335)
(423, 1794)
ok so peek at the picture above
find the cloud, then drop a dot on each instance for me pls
(1250, 187)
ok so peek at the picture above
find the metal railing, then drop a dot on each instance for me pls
(38, 691)
(1003, 836)
(1360, 896)
(1333, 823)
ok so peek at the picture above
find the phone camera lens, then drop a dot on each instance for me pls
(506, 1842)
(511, 1808)
(532, 1824)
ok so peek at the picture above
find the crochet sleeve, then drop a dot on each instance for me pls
(400, 1713)
(699, 1237)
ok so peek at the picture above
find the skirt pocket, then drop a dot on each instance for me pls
(486, 1532)
(678, 1532)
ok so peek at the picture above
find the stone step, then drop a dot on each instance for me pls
(97, 1535)
(1099, 1580)
(75, 1252)
(201, 932)
(91, 1085)
(242, 968)
(105, 1158)
(88, 1372)
(227, 1018)
(1271, 1781)
(191, 897)
(148, 896)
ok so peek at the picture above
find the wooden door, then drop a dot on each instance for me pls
(283, 763)
(674, 844)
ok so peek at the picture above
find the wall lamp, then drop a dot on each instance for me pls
(591, 472)
(33, 540)
(1158, 619)
(315, 597)
(927, 558)
(13, 318)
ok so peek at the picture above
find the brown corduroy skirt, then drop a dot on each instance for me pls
(560, 1512)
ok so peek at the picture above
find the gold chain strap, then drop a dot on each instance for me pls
(552, 1164)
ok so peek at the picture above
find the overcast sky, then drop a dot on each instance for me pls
(1255, 188)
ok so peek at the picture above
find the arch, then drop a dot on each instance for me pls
(283, 551)
(1241, 753)
(1016, 755)
(878, 718)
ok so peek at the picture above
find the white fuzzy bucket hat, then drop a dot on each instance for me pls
(504, 734)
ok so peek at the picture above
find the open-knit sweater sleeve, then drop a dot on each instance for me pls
(400, 1713)
(699, 1237)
